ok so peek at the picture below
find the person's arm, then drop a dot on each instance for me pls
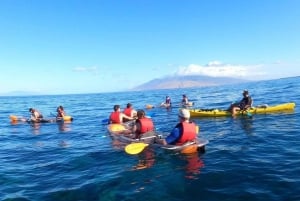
(125, 116)
(170, 139)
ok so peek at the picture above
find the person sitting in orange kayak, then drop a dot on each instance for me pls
(184, 131)
(143, 125)
(116, 117)
(129, 111)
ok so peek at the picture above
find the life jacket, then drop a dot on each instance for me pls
(188, 132)
(115, 117)
(146, 125)
(168, 101)
(128, 111)
(245, 101)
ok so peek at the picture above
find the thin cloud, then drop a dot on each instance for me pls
(86, 69)
(218, 69)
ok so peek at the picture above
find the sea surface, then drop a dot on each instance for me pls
(247, 158)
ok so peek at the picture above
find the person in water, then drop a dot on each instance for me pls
(35, 115)
(184, 131)
(129, 111)
(243, 105)
(143, 126)
(116, 117)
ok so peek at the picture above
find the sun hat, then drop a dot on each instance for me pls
(184, 113)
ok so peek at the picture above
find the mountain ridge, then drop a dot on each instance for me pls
(188, 81)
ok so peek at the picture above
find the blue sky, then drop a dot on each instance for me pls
(87, 46)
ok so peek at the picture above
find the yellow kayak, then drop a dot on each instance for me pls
(264, 109)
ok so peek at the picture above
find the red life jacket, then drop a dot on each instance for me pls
(188, 132)
(127, 111)
(146, 125)
(115, 117)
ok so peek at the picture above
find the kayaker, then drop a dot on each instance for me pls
(143, 125)
(167, 103)
(184, 131)
(129, 111)
(243, 105)
(185, 100)
(35, 115)
(60, 112)
(116, 117)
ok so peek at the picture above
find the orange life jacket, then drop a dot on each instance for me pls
(128, 111)
(146, 125)
(188, 132)
(115, 117)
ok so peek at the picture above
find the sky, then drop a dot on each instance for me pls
(94, 46)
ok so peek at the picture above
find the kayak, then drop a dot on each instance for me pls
(263, 109)
(116, 130)
(15, 119)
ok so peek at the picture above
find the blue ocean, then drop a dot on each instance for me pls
(247, 158)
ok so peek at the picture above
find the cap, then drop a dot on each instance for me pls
(184, 113)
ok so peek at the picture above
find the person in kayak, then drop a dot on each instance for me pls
(243, 105)
(143, 126)
(167, 103)
(60, 112)
(185, 100)
(129, 111)
(116, 117)
(35, 115)
(184, 131)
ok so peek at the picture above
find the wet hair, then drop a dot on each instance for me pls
(30, 109)
(129, 105)
(246, 92)
(116, 107)
(140, 113)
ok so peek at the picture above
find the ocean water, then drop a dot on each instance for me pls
(254, 158)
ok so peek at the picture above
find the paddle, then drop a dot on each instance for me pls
(135, 148)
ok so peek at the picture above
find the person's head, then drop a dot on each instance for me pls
(140, 114)
(31, 110)
(167, 97)
(184, 96)
(184, 114)
(245, 93)
(59, 108)
(129, 105)
(116, 107)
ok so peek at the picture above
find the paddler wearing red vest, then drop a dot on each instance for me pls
(116, 117)
(143, 125)
(184, 131)
(129, 111)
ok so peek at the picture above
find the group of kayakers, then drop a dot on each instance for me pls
(143, 126)
(184, 131)
(36, 116)
(168, 102)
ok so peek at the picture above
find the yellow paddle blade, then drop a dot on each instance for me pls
(135, 148)
(116, 127)
(197, 129)
(13, 118)
(67, 118)
(149, 106)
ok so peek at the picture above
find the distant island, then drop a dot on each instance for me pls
(173, 82)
